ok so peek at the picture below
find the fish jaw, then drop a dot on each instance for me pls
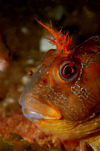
(71, 130)
(34, 108)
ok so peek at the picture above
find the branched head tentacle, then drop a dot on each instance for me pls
(62, 42)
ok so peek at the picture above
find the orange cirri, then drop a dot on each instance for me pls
(63, 96)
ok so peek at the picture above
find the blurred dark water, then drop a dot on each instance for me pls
(80, 18)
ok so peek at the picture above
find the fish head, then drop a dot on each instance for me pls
(64, 91)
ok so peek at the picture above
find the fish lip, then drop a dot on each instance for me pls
(32, 115)
(34, 108)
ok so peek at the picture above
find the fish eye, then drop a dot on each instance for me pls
(68, 71)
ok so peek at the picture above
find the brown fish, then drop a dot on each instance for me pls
(63, 96)
(5, 55)
(5, 61)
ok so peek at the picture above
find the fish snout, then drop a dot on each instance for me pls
(34, 108)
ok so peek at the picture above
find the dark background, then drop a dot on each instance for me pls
(80, 18)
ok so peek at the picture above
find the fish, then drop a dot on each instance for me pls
(5, 65)
(63, 96)
(5, 54)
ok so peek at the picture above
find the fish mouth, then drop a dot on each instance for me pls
(31, 115)
(37, 107)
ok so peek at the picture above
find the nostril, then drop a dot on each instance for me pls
(42, 82)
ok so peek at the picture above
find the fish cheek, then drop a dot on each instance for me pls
(70, 98)
(60, 91)
(85, 90)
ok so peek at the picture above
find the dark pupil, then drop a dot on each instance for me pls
(67, 70)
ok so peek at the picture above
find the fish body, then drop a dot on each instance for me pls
(63, 96)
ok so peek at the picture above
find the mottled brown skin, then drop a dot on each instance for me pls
(70, 108)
